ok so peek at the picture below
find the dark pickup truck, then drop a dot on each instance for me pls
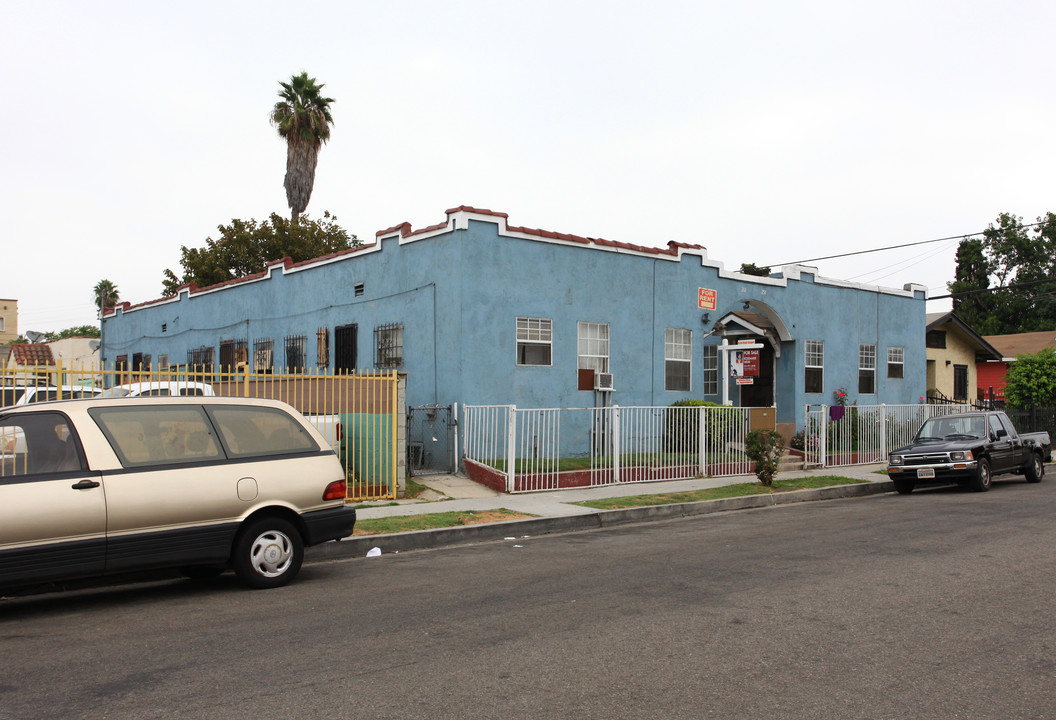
(970, 449)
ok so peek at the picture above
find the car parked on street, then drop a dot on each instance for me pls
(970, 449)
(161, 388)
(100, 486)
(25, 394)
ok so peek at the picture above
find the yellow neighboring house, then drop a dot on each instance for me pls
(8, 321)
(953, 349)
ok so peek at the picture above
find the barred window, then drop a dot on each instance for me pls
(388, 345)
(896, 362)
(263, 355)
(594, 346)
(200, 359)
(866, 369)
(711, 369)
(678, 359)
(296, 352)
(534, 341)
(814, 362)
(232, 353)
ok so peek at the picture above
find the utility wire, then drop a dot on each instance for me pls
(993, 289)
(904, 245)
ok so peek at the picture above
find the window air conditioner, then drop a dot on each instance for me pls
(603, 382)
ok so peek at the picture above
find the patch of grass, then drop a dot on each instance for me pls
(429, 521)
(725, 491)
(413, 489)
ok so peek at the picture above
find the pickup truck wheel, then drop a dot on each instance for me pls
(904, 487)
(268, 553)
(1036, 469)
(982, 480)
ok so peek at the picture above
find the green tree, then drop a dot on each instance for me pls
(753, 269)
(1008, 254)
(247, 246)
(975, 306)
(89, 331)
(1031, 380)
(105, 294)
(303, 120)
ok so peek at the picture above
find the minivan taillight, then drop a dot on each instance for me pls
(335, 490)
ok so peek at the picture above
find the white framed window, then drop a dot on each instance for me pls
(678, 359)
(866, 369)
(814, 362)
(711, 369)
(535, 341)
(593, 346)
(896, 362)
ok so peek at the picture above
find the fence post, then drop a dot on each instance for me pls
(702, 439)
(511, 447)
(883, 431)
(615, 443)
(823, 441)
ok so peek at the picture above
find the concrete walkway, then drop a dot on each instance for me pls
(555, 510)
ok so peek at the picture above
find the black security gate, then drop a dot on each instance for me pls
(430, 440)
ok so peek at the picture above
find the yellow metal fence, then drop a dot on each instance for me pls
(359, 413)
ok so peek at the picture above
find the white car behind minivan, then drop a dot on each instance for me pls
(161, 388)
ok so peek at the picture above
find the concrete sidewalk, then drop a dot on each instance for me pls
(555, 510)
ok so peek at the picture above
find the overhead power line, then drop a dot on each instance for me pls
(896, 247)
(993, 289)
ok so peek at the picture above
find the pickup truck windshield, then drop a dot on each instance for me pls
(953, 428)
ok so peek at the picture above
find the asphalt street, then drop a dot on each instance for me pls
(934, 605)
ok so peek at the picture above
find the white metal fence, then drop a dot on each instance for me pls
(524, 450)
(836, 435)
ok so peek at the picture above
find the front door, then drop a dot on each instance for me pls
(761, 392)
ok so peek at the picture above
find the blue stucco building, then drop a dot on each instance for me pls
(478, 311)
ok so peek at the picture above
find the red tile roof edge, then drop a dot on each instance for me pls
(673, 247)
(406, 230)
(32, 354)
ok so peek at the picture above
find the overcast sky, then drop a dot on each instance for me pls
(769, 132)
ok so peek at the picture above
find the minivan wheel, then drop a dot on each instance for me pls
(268, 553)
(1036, 469)
(982, 480)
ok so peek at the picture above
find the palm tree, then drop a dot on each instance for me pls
(303, 119)
(105, 294)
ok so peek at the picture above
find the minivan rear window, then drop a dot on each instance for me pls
(158, 434)
(252, 431)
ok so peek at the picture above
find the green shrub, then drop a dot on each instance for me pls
(764, 447)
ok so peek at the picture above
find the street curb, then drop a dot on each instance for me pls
(469, 534)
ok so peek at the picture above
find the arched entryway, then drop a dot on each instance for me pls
(751, 344)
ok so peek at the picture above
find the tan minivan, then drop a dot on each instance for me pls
(99, 486)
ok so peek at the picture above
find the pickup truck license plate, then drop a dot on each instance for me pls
(925, 473)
